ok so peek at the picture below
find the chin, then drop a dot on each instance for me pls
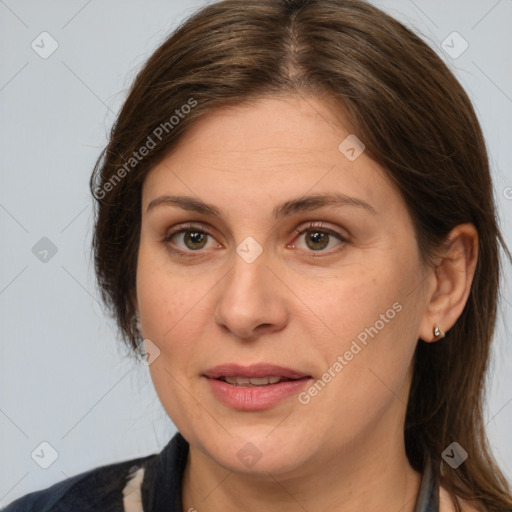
(253, 451)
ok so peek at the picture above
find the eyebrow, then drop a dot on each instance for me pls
(285, 209)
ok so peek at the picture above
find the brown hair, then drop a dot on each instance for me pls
(416, 122)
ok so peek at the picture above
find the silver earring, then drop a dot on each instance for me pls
(438, 333)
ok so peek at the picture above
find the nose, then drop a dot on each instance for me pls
(252, 300)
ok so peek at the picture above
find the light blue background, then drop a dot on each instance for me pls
(64, 377)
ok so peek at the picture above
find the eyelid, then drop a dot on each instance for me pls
(321, 226)
(187, 226)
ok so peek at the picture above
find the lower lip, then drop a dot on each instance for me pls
(255, 398)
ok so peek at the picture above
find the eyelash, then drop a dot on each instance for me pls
(312, 226)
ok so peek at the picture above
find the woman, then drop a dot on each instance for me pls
(295, 213)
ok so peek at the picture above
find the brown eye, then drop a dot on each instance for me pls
(317, 240)
(195, 239)
(189, 241)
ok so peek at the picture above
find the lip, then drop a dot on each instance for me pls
(254, 370)
(254, 398)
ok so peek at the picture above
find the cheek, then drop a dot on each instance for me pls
(369, 317)
(170, 308)
(347, 305)
(165, 297)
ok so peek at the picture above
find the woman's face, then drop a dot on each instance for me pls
(233, 283)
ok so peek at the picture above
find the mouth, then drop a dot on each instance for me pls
(254, 387)
(262, 374)
(255, 382)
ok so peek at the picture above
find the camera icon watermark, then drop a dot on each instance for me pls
(351, 147)
(454, 45)
(44, 45)
(44, 250)
(249, 455)
(454, 455)
(507, 193)
(44, 455)
(249, 250)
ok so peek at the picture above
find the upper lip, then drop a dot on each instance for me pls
(254, 370)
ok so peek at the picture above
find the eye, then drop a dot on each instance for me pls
(317, 237)
(186, 239)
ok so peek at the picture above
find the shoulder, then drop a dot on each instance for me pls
(97, 489)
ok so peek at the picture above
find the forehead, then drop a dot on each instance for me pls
(289, 128)
(268, 149)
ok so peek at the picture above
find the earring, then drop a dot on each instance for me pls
(438, 333)
(137, 323)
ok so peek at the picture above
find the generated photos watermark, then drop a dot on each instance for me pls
(355, 348)
(151, 142)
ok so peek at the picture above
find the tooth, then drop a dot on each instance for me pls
(253, 381)
(237, 381)
(259, 381)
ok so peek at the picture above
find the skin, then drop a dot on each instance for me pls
(293, 306)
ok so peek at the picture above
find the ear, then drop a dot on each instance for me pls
(452, 281)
